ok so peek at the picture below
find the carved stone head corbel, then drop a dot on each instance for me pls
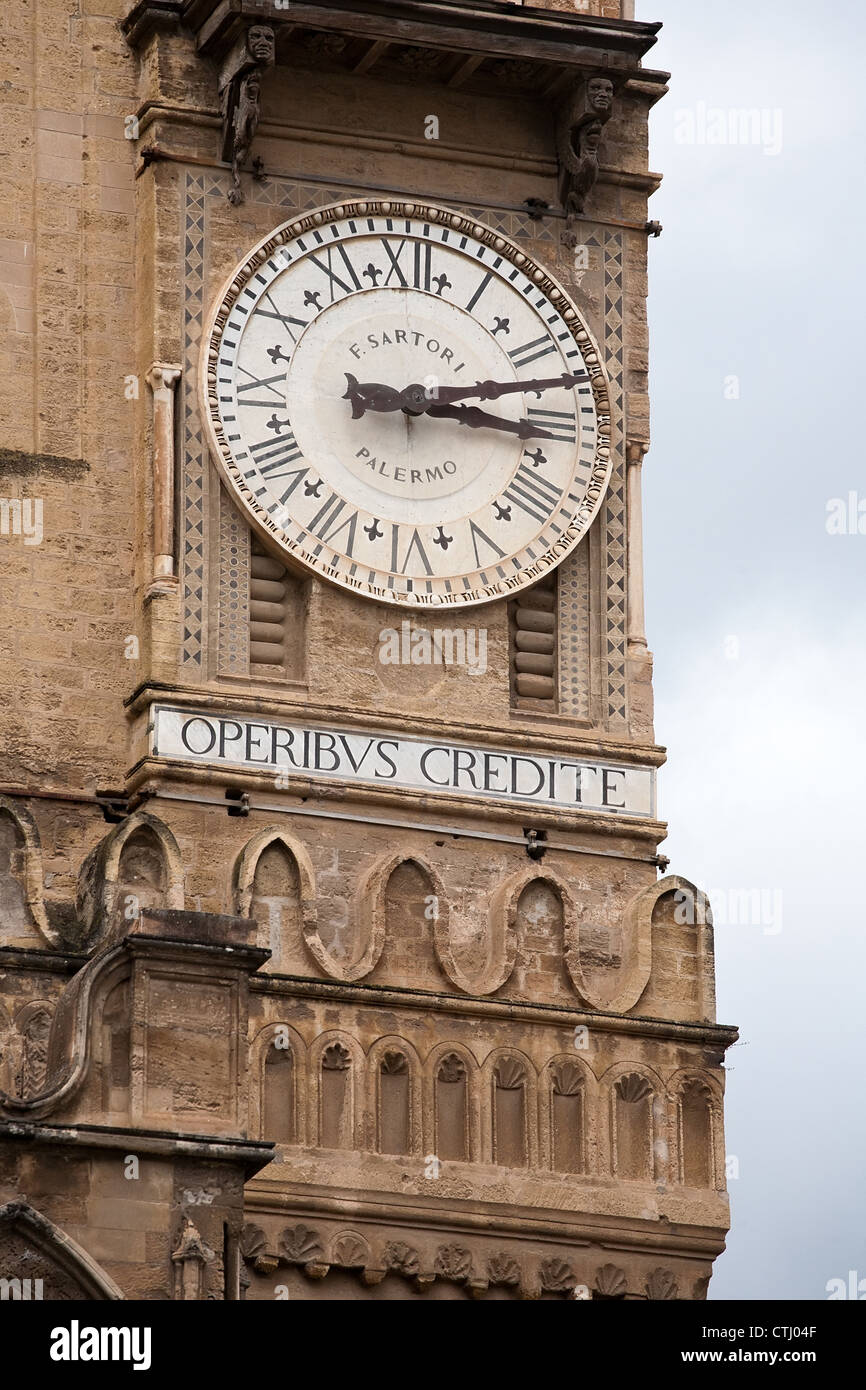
(240, 94)
(583, 114)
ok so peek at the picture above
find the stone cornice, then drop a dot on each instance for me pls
(251, 1154)
(557, 737)
(716, 1035)
(483, 29)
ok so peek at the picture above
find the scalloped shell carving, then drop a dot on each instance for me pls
(557, 1276)
(299, 1245)
(350, 1251)
(695, 1087)
(394, 1063)
(567, 1079)
(510, 1074)
(633, 1088)
(402, 1258)
(451, 1068)
(453, 1262)
(661, 1284)
(253, 1242)
(611, 1282)
(336, 1057)
(502, 1269)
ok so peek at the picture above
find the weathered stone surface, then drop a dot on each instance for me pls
(507, 1062)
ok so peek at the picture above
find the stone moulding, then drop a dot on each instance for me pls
(69, 1257)
(74, 1027)
(70, 1049)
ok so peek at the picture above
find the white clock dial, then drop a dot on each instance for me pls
(406, 404)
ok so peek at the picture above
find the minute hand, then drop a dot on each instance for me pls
(475, 418)
(491, 390)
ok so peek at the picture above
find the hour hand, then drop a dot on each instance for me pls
(475, 418)
(371, 395)
(491, 390)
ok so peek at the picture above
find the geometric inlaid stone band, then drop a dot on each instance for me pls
(634, 454)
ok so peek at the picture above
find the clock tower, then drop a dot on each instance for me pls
(338, 958)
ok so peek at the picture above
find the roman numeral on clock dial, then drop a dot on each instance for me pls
(530, 352)
(560, 423)
(264, 383)
(418, 263)
(532, 493)
(289, 322)
(331, 520)
(272, 455)
(414, 544)
(337, 255)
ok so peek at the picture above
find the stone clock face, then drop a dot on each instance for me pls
(406, 404)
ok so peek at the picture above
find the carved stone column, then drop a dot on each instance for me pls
(637, 644)
(189, 1261)
(162, 379)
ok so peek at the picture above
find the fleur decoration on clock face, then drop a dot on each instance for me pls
(407, 404)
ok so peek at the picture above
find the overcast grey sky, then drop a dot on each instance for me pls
(755, 613)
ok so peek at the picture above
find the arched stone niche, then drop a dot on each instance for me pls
(404, 912)
(275, 884)
(23, 918)
(137, 865)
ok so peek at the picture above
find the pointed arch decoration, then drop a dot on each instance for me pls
(369, 913)
(100, 874)
(31, 879)
(503, 928)
(244, 884)
(691, 910)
